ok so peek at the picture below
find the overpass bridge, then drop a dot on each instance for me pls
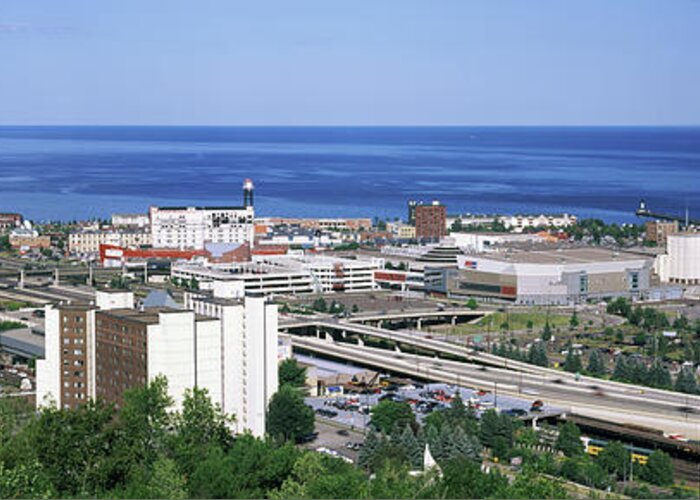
(420, 316)
(576, 397)
(341, 330)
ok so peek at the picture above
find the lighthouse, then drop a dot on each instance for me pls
(248, 193)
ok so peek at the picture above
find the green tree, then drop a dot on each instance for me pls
(658, 469)
(530, 485)
(291, 373)
(319, 305)
(685, 381)
(355, 309)
(659, 376)
(496, 432)
(390, 414)
(463, 478)
(615, 459)
(573, 321)
(249, 470)
(596, 366)
(546, 332)
(621, 371)
(412, 447)
(25, 481)
(569, 440)
(288, 417)
(199, 425)
(72, 447)
(372, 443)
(144, 421)
(530, 325)
(472, 304)
(162, 480)
(573, 361)
(318, 476)
(537, 355)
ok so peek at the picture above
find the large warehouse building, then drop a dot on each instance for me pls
(563, 276)
(681, 263)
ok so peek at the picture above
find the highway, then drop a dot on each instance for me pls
(612, 404)
(422, 341)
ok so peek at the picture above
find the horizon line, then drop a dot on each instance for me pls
(351, 125)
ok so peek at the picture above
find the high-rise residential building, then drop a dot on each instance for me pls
(192, 227)
(431, 221)
(100, 351)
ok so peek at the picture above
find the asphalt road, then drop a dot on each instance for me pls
(612, 403)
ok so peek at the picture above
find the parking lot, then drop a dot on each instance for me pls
(353, 410)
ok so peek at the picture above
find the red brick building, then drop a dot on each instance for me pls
(431, 221)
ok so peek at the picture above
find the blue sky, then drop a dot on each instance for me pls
(359, 62)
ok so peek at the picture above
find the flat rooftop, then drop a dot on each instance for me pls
(563, 256)
(149, 316)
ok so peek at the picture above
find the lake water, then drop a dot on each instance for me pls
(82, 172)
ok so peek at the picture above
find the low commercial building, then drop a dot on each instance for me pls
(406, 232)
(26, 238)
(328, 224)
(563, 276)
(100, 351)
(131, 221)
(88, 242)
(681, 263)
(9, 221)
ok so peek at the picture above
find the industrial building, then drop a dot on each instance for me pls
(561, 276)
(192, 227)
(681, 263)
(99, 351)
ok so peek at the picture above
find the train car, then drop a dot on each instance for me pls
(595, 446)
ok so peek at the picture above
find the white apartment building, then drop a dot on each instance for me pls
(250, 354)
(99, 351)
(88, 242)
(192, 227)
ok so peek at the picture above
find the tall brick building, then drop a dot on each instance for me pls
(431, 221)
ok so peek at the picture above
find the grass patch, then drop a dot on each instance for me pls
(10, 325)
(12, 305)
(516, 321)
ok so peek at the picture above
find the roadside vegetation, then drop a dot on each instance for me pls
(145, 450)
